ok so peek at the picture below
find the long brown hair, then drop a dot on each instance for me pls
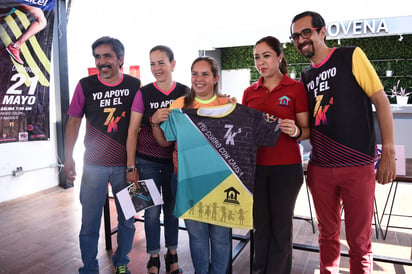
(190, 96)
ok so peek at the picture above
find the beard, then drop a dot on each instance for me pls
(105, 71)
(308, 53)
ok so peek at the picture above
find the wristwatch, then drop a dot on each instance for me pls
(130, 169)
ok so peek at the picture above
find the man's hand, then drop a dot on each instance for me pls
(386, 171)
(70, 169)
(132, 177)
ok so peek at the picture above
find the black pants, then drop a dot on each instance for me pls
(275, 193)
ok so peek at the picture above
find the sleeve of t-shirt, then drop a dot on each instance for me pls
(178, 103)
(76, 108)
(137, 105)
(364, 73)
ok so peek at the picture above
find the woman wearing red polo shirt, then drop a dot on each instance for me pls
(279, 173)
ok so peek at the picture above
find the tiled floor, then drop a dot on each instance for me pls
(39, 234)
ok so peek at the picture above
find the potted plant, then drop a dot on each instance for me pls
(389, 71)
(400, 93)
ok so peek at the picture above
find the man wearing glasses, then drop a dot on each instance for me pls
(341, 85)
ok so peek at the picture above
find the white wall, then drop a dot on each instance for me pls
(234, 82)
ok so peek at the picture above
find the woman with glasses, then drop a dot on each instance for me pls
(279, 173)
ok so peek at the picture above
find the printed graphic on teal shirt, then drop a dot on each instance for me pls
(210, 188)
(205, 188)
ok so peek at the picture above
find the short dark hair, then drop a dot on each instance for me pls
(117, 46)
(317, 20)
(166, 50)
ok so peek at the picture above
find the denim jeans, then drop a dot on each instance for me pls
(209, 247)
(93, 191)
(166, 182)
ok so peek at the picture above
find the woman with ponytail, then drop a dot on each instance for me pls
(279, 173)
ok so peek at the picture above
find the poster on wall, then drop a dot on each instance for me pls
(26, 35)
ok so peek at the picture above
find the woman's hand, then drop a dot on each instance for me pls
(230, 100)
(289, 127)
(161, 115)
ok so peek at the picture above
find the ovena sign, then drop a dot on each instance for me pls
(357, 28)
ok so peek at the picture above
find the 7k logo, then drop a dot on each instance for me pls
(320, 111)
(111, 120)
(230, 136)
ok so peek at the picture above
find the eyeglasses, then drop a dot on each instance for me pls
(306, 33)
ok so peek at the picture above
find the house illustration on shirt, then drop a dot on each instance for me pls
(231, 195)
(284, 100)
